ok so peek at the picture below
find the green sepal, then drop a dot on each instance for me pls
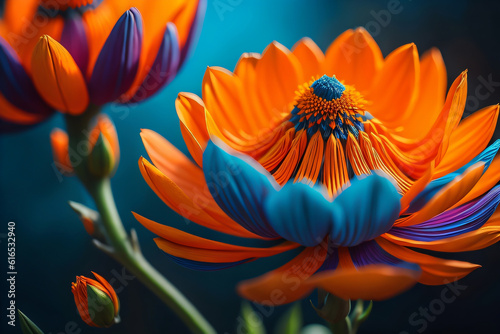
(291, 321)
(252, 321)
(101, 160)
(28, 326)
(100, 306)
(332, 308)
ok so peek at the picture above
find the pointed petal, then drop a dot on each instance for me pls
(177, 200)
(446, 197)
(163, 69)
(116, 67)
(310, 57)
(394, 91)
(470, 138)
(58, 78)
(354, 57)
(435, 271)
(191, 112)
(278, 73)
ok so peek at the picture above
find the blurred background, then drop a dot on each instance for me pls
(53, 247)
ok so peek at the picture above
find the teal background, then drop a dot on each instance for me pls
(52, 246)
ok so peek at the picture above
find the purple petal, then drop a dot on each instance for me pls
(74, 39)
(118, 62)
(195, 31)
(371, 253)
(164, 67)
(16, 85)
(465, 218)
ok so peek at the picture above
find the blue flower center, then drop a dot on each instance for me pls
(328, 106)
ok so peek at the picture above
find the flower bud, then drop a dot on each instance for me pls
(96, 301)
(101, 160)
(105, 151)
(60, 149)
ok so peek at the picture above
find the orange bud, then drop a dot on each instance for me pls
(96, 301)
(60, 143)
(106, 127)
(57, 77)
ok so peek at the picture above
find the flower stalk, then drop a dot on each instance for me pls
(120, 246)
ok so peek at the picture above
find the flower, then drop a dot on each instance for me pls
(354, 169)
(104, 133)
(68, 54)
(96, 301)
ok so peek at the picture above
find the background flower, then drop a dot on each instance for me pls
(60, 55)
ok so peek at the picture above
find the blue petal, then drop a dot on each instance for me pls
(365, 210)
(239, 188)
(118, 62)
(16, 85)
(435, 186)
(164, 67)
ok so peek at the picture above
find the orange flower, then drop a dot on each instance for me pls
(348, 156)
(65, 54)
(96, 301)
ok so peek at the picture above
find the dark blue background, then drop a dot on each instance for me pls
(52, 246)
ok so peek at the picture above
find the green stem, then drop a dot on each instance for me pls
(120, 244)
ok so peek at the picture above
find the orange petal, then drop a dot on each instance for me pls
(447, 197)
(372, 282)
(278, 74)
(310, 57)
(489, 179)
(287, 283)
(312, 161)
(354, 57)
(224, 97)
(335, 174)
(177, 200)
(60, 144)
(12, 114)
(469, 139)
(435, 271)
(395, 89)
(245, 70)
(188, 246)
(110, 291)
(227, 253)
(415, 189)
(431, 97)
(57, 77)
(191, 112)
